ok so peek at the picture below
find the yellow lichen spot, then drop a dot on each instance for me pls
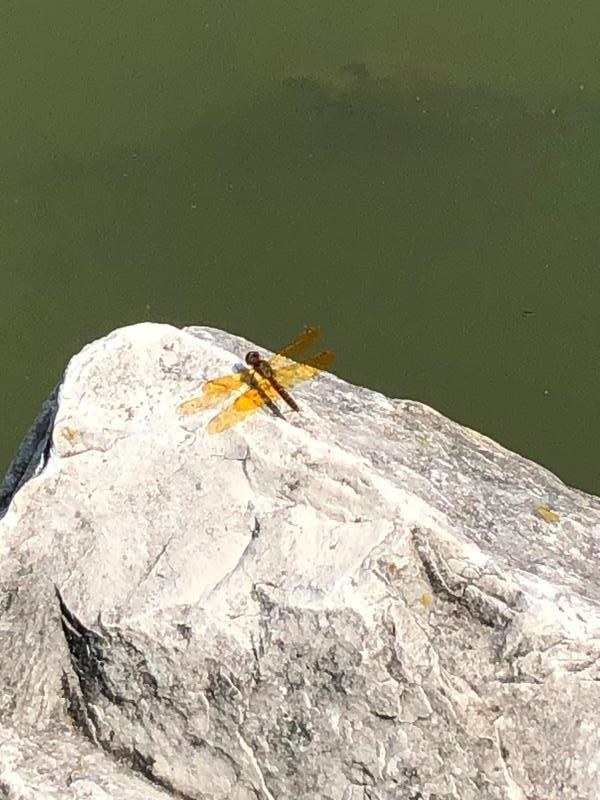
(69, 433)
(546, 513)
(425, 599)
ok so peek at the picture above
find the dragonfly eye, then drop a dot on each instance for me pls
(252, 358)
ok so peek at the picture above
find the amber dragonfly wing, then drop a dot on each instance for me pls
(296, 346)
(260, 383)
(264, 392)
(214, 391)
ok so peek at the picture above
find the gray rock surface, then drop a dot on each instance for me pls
(363, 601)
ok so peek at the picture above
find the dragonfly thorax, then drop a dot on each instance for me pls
(261, 366)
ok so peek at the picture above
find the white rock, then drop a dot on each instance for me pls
(362, 600)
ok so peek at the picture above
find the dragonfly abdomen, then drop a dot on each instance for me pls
(285, 395)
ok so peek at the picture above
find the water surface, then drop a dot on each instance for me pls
(420, 178)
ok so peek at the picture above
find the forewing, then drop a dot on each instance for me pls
(297, 346)
(213, 391)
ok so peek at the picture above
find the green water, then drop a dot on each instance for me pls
(421, 178)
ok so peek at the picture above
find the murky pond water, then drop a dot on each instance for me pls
(419, 178)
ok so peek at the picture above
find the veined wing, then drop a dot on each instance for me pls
(213, 391)
(296, 346)
(256, 396)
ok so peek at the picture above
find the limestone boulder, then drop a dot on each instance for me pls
(362, 600)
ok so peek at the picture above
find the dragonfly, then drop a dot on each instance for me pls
(263, 381)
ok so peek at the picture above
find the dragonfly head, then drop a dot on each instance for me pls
(252, 358)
